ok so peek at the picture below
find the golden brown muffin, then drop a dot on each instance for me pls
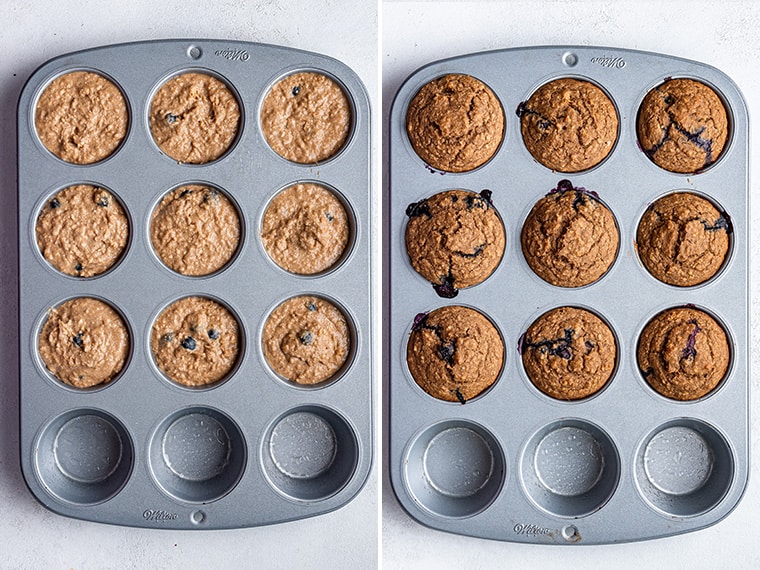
(569, 353)
(455, 239)
(306, 340)
(682, 125)
(306, 117)
(84, 342)
(195, 230)
(195, 341)
(568, 125)
(683, 353)
(683, 239)
(81, 117)
(455, 123)
(305, 229)
(194, 118)
(82, 230)
(570, 238)
(454, 353)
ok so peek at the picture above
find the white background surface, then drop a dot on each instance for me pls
(33, 32)
(720, 33)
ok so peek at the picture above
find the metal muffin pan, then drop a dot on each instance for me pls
(625, 464)
(141, 450)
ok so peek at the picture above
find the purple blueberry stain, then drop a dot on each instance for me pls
(691, 350)
(417, 209)
(722, 223)
(446, 352)
(419, 321)
(459, 396)
(446, 288)
(561, 347)
(185, 192)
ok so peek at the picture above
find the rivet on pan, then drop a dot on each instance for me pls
(569, 59)
(198, 517)
(570, 533)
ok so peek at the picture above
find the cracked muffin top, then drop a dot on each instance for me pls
(683, 353)
(683, 239)
(570, 238)
(455, 123)
(682, 125)
(455, 239)
(454, 353)
(568, 125)
(569, 353)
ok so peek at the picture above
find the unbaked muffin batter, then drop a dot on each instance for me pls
(82, 230)
(81, 117)
(195, 341)
(306, 117)
(84, 342)
(306, 340)
(195, 230)
(305, 229)
(194, 118)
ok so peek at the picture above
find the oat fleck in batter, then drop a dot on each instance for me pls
(306, 340)
(195, 341)
(84, 342)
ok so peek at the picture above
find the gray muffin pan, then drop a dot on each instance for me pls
(141, 450)
(625, 464)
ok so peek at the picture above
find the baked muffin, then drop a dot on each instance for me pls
(682, 125)
(682, 239)
(570, 238)
(306, 117)
(194, 118)
(306, 340)
(455, 123)
(455, 239)
(454, 353)
(683, 353)
(568, 125)
(569, 353)
(195, 341)
(305, 229)
(82, 230)
(84, 342)
(195, 230)
(81, 117)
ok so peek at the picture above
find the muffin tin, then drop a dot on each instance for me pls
(141, 450)
(625, 464)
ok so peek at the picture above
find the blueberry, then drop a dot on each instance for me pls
(459, 396)
(311, 307)
(103, 201)
(446, 352)
(305, 338)
(446, 288)
(77, 340)
(213, 334)
(669, 100)
(486, 195)
(329, 216)
(188, 343)
(167, 337)
(55, 203)
(170, 118)
(296, 90)
(419, 321)
(78, 267)
(185, 192)
(416, 209)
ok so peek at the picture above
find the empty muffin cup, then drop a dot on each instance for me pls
(306, 229)
(81, 117)
(454, 469)
(309, 453)
(306, 117)
(84, 456)
(197, 455)
(684, 468)
(82, 230)
(195, 230)
(570, 468)
(194, 117)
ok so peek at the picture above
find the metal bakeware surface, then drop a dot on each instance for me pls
(143, 451)
(625, 464)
